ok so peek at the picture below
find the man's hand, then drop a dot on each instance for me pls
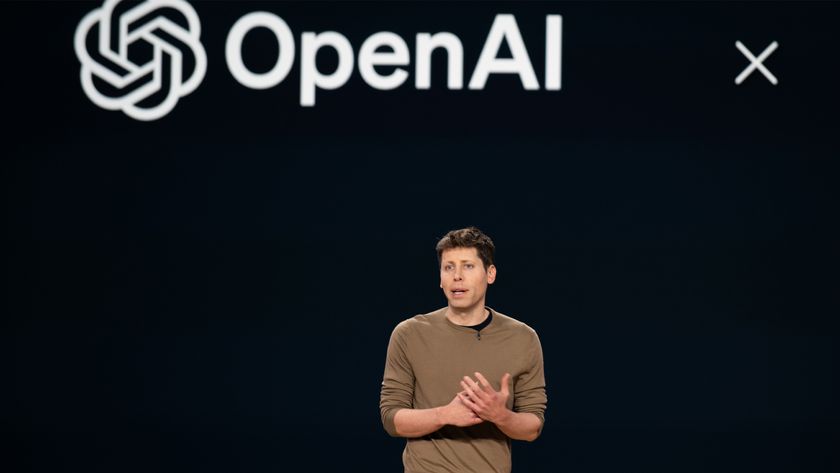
(458, 414)
(413, 423)
(484, 401)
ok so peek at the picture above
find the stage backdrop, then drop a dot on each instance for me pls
(216, 212)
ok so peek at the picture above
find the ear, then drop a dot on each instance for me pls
(491, 274)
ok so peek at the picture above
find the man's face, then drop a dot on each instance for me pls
(464, 278)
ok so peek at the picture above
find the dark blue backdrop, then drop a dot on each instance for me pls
(214, 290)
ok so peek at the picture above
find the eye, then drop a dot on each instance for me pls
(469, 265)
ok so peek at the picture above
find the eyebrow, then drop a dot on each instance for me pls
(462, 261)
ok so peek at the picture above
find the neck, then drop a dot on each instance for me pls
(467, 317)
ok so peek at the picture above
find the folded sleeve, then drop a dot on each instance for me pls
(529, 387)
(397, 382)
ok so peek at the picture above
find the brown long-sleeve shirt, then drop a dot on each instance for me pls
(428, 355)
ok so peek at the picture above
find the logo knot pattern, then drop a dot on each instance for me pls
(128, 84)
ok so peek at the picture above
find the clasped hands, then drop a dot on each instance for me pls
(478, 402)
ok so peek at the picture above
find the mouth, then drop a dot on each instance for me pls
(459, 292)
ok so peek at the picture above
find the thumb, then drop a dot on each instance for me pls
(505, 384)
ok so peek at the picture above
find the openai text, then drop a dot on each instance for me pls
(389, 49)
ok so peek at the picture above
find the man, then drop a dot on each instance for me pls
(462, 381)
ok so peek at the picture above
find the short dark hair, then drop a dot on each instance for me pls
(470, 237)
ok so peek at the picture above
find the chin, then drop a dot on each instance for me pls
(461, 304)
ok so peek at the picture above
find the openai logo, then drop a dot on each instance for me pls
(134, 56)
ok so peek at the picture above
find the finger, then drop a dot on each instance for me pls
(468, 390)
(505, 384)
(475, 386)
(485, 385)
(474, 391)
(468, 402)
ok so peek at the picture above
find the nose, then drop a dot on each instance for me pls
(458, 275)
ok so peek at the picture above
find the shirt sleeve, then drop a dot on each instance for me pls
(397, 382)
(529, 386)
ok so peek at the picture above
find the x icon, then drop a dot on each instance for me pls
(756, 63)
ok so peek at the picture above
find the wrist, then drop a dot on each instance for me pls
(440, 416)
(504, 417)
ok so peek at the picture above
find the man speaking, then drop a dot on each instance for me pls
(462, 381)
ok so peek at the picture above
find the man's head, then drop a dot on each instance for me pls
(466, 267)
(470, 237)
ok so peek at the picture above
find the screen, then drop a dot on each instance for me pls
(217, 212)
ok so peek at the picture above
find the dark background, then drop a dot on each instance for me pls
(214, 290)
